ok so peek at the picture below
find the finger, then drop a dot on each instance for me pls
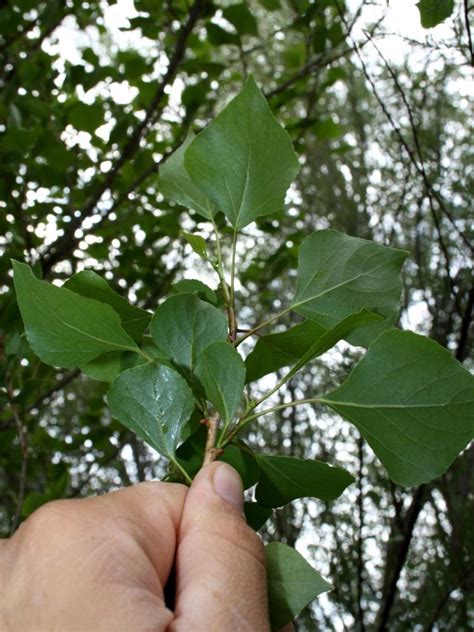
(221, 579)
(150, 513)
(104, 559)
(289, 627)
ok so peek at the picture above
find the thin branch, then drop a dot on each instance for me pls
(418, 167)
(400, 558)
(45, 396)
(313, 65)
(233, 320)
(256, 329)
(462, 348)
(266, 411)
(360, 543)
(211, 453)
(23, 439)
(468, 30)
(421, 166)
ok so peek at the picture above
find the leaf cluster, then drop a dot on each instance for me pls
(408, 397)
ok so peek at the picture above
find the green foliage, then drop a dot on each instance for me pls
(338, 275)
(283, 478)
(191, 286)
(197, 243)
(256, 515)
(433, 12)
(244, 462)
(221, 371)
(184, 325)
(241, 18)
(410, 399)
(292, 583)
(243, 161)
(274, 351)
(90, 285)
(413, 403)
(176, 185)
(63, 328)
(155, 402)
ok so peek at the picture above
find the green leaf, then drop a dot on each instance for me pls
(284, 478)
(221, 371)
(90, 285)
(412, 402)
(183, 326)
(433, 12)
(332, 336)
(241, 18)
(274, 351)
(328, 129)
(292, 584)
(244, 462)
(189, 286)
(256, 515)
(105, 368)
(339, 275)
(197, 243)
(244, 160)
(300, 344)
(33, 501)
(190, 453)
(85, 117)
(219, 36)
(63, 328)
(155, 402)
(176, 184)
(270, 5)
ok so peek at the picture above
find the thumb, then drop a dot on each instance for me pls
(221, 579)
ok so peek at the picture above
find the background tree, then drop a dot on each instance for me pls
(89, 111)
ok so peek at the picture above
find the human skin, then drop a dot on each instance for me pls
(100, 564)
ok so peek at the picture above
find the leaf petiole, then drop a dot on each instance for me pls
(182, 470)
(247, 419)
(263, 324)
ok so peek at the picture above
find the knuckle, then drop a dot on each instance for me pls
(48, 517)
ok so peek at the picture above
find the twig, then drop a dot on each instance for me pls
(360, 551)
(232, 317)
(23, 438)
(468, 29)
(42, 398)
(211, 453)
(419, 166)
(461, 350)
(400, 558)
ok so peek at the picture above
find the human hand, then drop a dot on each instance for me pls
(101, 564)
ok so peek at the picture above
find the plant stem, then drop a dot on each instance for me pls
(211, 453)
(270, 392)
(255, 329)
(247, 419)
(233, 329)
(182, 470)
(144, 355)
(228, 299)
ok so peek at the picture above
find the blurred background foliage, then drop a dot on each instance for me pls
(95, 96)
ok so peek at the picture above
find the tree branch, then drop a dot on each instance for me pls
(23, 438)
(462, 348)
(468, 30)
(399, 555)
